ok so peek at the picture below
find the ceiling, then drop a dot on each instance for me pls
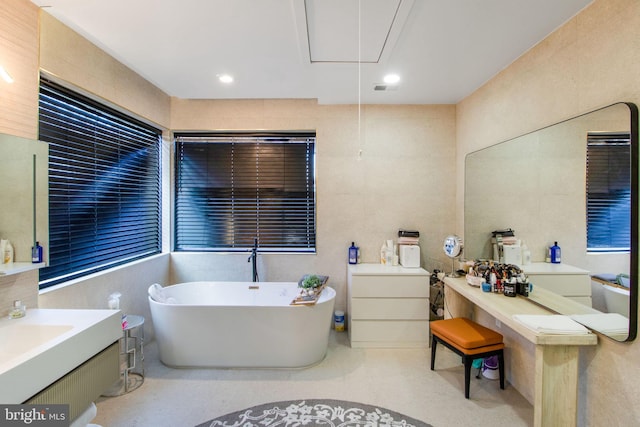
(337, 51)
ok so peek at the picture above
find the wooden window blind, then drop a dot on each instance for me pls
(233, 188)
(104, 185)
(608, 192)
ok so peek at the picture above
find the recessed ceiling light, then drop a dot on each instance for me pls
(225, 78)
(391, 79)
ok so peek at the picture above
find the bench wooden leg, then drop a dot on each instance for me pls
(468, 361)
(501, 369)
(434, 343)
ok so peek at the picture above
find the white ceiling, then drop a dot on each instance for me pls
(332, 50)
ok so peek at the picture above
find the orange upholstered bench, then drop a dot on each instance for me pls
(469, 340)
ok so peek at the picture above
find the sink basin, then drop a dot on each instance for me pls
(46, 344)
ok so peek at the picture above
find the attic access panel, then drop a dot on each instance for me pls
(350, 31)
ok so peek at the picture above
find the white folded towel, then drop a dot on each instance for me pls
(556, 324)
(608, 323)
(156, 292)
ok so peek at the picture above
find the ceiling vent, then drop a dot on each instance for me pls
(384, 87)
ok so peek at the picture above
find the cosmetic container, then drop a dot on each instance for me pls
(36, 253)
(555, 250)
(353, 253)
(19, 310)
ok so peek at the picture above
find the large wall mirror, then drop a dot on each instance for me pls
(24, 194)
(575, 182)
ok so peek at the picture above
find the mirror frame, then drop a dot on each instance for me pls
(635, 207)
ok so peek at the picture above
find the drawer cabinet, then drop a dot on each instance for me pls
(566, 280)
(388, 306)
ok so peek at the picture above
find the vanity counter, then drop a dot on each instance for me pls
(503, 308)
(46, 344)
(556, 356)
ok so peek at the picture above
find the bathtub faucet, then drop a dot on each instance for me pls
(252, 259)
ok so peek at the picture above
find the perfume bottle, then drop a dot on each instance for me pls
(18, 311)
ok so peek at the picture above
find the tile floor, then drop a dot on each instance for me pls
(396, 379)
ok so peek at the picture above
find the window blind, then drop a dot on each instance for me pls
(232, 188)
(608, 192)
(104, 185)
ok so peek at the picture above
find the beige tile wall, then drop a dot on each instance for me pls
(592, 61)
(19, 56)
(388, 171)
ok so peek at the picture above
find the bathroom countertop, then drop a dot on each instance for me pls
(504, 308)
(46, 344)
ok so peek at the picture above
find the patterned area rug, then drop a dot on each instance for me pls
(313, 412)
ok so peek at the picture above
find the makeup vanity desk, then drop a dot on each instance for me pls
(556, 356)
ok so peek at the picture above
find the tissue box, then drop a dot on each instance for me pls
(409, 256)
(512, 254)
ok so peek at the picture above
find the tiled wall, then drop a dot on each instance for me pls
(591, 61)
(396, 175)
(19, 56)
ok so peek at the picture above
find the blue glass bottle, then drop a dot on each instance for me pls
(36, 253)
(556, 253)
(353, 253)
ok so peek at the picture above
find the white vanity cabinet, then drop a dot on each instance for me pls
(387, 306)
(562, 279)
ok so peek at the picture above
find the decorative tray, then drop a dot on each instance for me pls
(309, 297)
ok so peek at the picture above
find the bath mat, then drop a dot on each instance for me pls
(314, 412)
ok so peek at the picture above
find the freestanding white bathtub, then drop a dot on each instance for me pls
(240, 325)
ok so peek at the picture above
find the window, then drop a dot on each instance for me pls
(608, 192)
(104, 185)
(233, 188)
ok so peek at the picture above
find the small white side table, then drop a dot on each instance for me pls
(131, 357)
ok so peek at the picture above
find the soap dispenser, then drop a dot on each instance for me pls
(114, 304)
(8, 253)
(114, 301)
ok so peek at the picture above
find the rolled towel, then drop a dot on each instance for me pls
(156, 292)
